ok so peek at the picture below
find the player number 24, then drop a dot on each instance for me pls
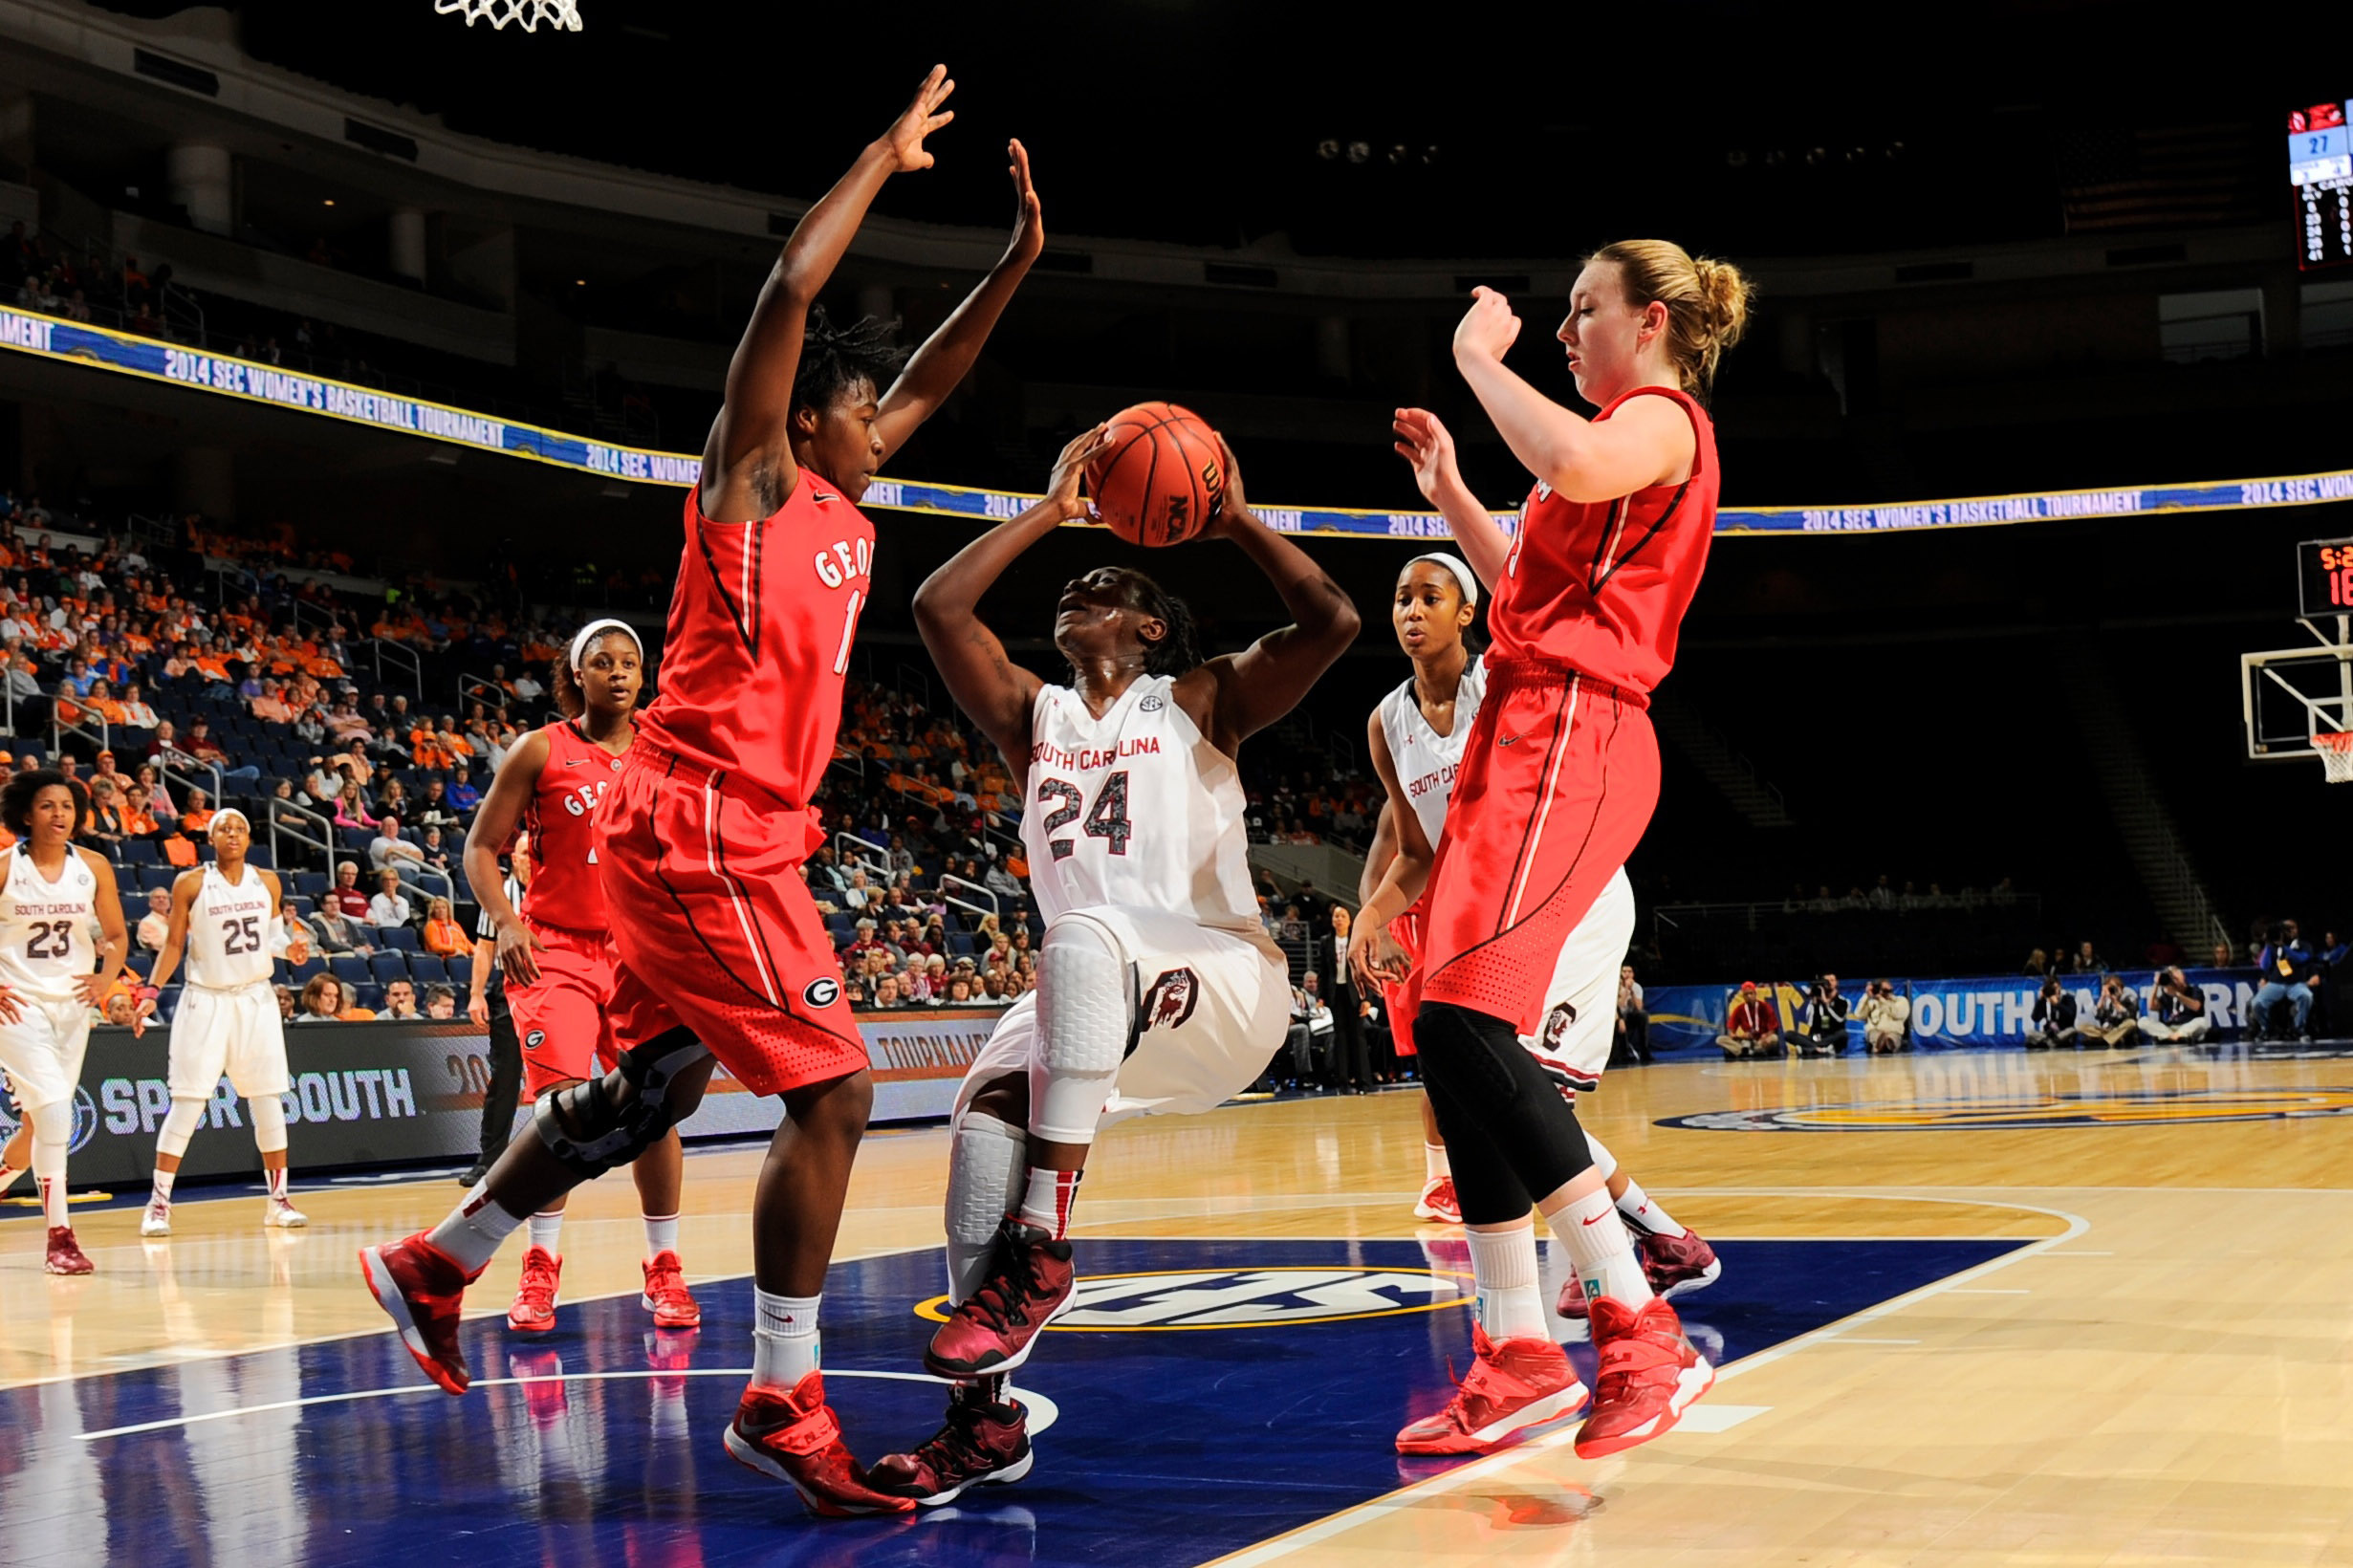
(1105, 819)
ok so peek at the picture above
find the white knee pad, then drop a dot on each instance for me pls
(1604, 1160)
(985, 1162)
(180, 1124)
(53, 1135)
(1085, 1016)
(268, 1114)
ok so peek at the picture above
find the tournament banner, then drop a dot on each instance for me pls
(122, 353)
(919, 1057)
(1966, 1013)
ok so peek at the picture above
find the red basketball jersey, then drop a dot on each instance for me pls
(1600, 586)
(565, 891)
(758, 641)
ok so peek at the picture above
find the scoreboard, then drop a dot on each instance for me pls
(2320, 172)
(2324, 577)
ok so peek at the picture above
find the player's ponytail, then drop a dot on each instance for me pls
(1179, 648)
(1707, 302)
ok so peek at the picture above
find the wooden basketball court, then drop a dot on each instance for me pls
(2144, 1355)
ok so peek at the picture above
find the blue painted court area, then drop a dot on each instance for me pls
(1249, 1387)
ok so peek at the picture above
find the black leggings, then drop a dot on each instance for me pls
(1510, 1136)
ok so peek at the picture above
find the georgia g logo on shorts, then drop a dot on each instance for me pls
(1170, 1000)
(534, 1040)
(822, 993)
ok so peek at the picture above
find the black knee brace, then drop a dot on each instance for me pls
(1489, 1080)
(1485, 1185)
(619, 1121)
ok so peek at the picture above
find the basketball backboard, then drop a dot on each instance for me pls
(2289, 696)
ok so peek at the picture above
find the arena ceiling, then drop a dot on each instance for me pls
(1736, 125)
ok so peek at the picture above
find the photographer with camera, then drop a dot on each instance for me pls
(2054, 1016)
(1752, 1025)
(2177, 1009)
(2286, 963)
(1886, 1018)
(2116, 1018)
(1825, 1019)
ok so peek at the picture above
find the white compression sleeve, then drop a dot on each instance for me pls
(1083, 1018)
(180, 1124)
(268, 1114)
(985, 1159)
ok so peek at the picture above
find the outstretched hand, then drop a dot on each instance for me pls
(1423, 441)
(1029, 239)
(1231, 506)
(1062, 489)
(1487, 329)
(905, 139)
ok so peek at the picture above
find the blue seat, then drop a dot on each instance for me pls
(167, 1003)
(142, 962)
(140, 852)
(962, 944)
(355, 839)
(371, 997)
(349, 967)
(299, 976)
(158, 876)
(398, 938)
(460, 972)
(389, 967)
(311, 884)
(259, 855)
(427, 969)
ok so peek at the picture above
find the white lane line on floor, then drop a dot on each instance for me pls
(1859, 1340)
(1718, 1417)
(1986, 1292)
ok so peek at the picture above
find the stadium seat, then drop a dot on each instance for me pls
(142, 852)
(259, 855)
(370, 997)
(311, 884)
(389, 967)
(349, 967)
(142, 962)
(158, 876)
(427, 969)
(166, 1003)
(398, 938)
(300, 974)
(460, 972)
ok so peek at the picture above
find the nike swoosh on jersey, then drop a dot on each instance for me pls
(1509, 740)
(575, 762)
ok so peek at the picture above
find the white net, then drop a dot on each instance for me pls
(2335, 755)
(564, 15)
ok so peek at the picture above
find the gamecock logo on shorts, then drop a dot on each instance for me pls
(1170, 1000)
(1557, 1024)
(822, 993)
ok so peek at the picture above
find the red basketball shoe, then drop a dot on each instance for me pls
(982, 1443)
(65, 1253)
(420, 1287)
(1028, 1286)
(667, 1296)
(1438, 1202)
(1677, 1265)
(534, 1295)
(1512, 1386)
(1649, 1376)
(795, 1438)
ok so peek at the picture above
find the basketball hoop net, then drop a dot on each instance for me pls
(563, 16)
(2336, 751)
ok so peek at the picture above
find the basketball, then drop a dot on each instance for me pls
(1160, 477)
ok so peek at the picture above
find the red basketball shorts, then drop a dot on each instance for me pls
(1407, 931)
(714, 929)
(1557, 780)
(562, 1018)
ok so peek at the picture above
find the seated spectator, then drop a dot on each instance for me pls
(2116, 1018)
(1886, 1018)
(336, 934)
(345, 895)
(351, 809)
(1311, 1032)
(201, 745)
(389, 906)
(138, 821)
(1633, 1038)
(1002, 882)
(2087, 961)
(441, 1003)
(886, 995)
(2287, 964)
(103, 832)
(461, 794)
(856, 895)
(2054, 1017)
(324, 1000)
(444, 936)
(435, 851)
(156, 920)
(1752, 1025)
(1825, 1024)
(2222, 958)
(399, 1002)
(2037, 965)
(2177, 1012)
(286, 1003)
(389, 850)
(436, 811)
(197, 818)
(270, 706)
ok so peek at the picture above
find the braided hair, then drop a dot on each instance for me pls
(836, 359)
(1180, 649)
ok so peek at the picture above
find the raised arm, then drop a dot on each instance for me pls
(748, 467)
(947, 355)
(1426, 443)
(996, 693)
(1251, 689)
(494, 824)
(1647, 442)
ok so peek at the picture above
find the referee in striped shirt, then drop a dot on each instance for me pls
(487, 1007)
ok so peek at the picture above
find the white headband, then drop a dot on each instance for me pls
(222, 816)
(581, 639)
(1464, 576)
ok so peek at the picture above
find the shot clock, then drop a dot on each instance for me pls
(2324, 577)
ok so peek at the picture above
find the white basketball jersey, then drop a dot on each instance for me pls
(228, 931)
(45, 926)
(1426, 760)
(1135, 809)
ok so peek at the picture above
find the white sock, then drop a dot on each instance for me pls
(1435, 1166)
(1046, 1201)
(545, 1230)
(784, 1339)
(160, 1197)
(472, 1233)
(276, 1181)
(53, 1203)
(1504, 1265)
(1598, 1246)
(1643, 1212)
(660, 1236)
